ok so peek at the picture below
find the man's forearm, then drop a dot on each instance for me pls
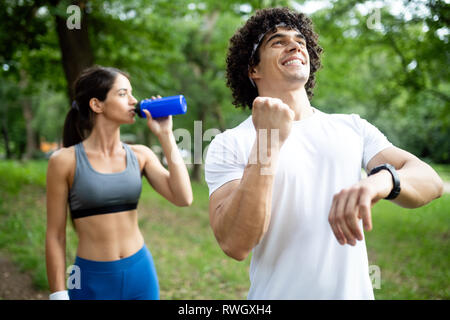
(244, 217)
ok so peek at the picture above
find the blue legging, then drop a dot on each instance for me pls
(131, 278)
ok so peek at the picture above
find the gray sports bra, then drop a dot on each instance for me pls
(93, 192)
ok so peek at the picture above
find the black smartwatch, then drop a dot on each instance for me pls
(396, 181)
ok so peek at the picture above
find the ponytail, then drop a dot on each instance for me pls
(76, 128)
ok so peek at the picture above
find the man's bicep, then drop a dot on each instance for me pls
(392, 155)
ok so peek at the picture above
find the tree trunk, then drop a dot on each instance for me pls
(219, 117)
(75, 46)
(197, 167)
(210, 22)
(148, 137)
(6, 139)
(197, 172)
(30, 146)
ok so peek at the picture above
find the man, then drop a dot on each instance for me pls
(286, 183)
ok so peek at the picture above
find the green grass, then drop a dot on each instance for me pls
(23, 217)
(409, 246)
(188, 260)
(22, 231)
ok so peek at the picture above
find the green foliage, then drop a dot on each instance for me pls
(395, 74)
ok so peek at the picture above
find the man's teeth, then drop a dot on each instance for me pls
(295, 61)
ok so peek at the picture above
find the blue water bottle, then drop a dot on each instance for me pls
(162, 107)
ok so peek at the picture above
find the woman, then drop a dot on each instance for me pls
(100, 178)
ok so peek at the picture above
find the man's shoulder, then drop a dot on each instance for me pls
(346, 119)
(339, 116)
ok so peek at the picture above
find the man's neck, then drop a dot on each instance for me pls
(297, 100)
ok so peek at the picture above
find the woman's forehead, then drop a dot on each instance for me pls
(121, 81)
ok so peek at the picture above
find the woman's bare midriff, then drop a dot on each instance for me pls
(108, 237)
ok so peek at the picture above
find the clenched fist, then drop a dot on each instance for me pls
(272, 114)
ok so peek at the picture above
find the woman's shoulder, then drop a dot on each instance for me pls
(144, 154)
(63, 153)
(140, 149)
(63, 159)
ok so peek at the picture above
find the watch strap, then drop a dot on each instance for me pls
(395, 179)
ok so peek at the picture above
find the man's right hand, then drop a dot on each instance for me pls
(272, 113)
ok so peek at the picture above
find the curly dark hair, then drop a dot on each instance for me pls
(241, 47)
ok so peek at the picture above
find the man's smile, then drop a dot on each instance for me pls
(295, 60)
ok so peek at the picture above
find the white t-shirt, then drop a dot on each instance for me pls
(299, 256)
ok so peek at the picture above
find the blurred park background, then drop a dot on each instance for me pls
(385, 60)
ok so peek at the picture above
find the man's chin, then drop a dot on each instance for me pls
(298, 80)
